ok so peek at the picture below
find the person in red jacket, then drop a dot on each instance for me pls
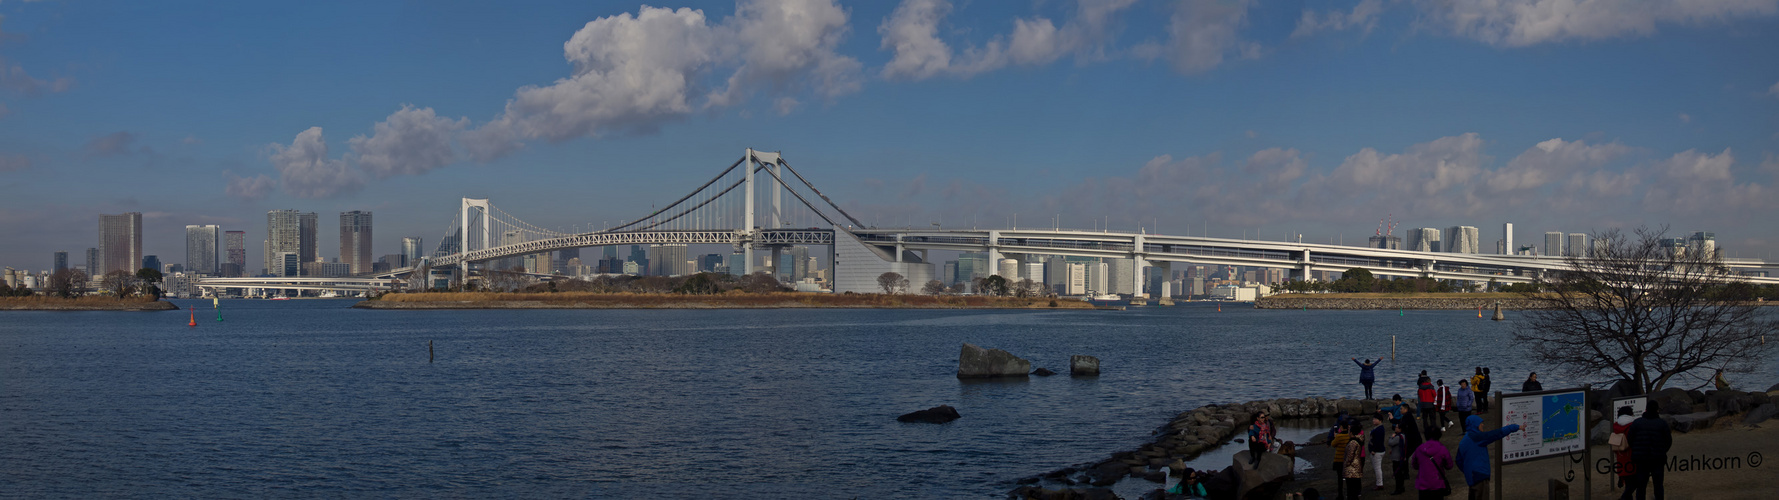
(1424, 396)
(1442, 403)
(1621, 452)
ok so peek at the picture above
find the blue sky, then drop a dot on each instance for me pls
(1255, 118)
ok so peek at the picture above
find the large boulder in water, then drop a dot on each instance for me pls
(1082, 366)
(976, 362)
(935, 415)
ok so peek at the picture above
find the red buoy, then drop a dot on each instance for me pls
(194, 317)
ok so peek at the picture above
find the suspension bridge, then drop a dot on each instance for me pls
(746, 207)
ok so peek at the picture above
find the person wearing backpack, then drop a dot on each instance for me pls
(1352, 471)
(1621, 445)
(1430, 462)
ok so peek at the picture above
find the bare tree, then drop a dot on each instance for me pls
(891, 282)
(120, 282)
(957, 288)
(1645, 312)
(419, 279)
(66, 283)
(934, 287)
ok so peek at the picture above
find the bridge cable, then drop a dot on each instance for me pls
(818, 192)
(683, 212)
(800, 197)
(694, 192)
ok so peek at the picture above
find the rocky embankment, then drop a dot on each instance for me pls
(85, 305)
(1335, 301)
(1190, 434)
(583, 300)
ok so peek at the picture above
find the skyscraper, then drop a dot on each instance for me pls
(1507, 238)
(151, 262)
(1553, 243)
(235, 251)
(61, 262)
(355, 240)
(1423, 239)
(1702, 243)
(120, 242)
(1577, 245)
(203, 244)
(1461, 239)
(411, 247)
(92, 262)
(289, 231)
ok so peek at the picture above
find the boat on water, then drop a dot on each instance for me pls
(280, 298)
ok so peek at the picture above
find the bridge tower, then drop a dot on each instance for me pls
(467, 211)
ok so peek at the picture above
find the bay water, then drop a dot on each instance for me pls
(313, 398)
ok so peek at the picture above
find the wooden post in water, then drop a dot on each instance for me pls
(1392, 348)
(429, 351)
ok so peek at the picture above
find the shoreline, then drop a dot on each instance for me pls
(441, 301)
(84, 305)
(1371, 301)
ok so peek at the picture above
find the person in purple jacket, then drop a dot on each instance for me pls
(1430, 462)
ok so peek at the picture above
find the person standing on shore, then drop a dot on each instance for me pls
(1260, 437)
(1482, 389)
(1430, 462)
(1650, 439)
(1464, 401)
(1473, 454)
(1531, 384)
(1399, 451)
(1379, 443)
(1442, 403)
(1424, 396)
(1366, 375)
(1410, 431)
(1397, 409)
(1352, 471)
(1476, 386)
(1621, 446)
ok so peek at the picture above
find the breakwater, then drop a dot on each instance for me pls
(1336, 301)
(585, 300)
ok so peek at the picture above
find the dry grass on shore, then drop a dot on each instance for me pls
(735, 299)
(89, 299)
(1370, 295)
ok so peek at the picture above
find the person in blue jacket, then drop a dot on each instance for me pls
(1366, 375)
(1473, 454)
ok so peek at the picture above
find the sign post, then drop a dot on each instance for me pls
(1552, 424)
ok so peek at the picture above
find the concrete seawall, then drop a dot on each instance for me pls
(78, 305)
(1334, 301)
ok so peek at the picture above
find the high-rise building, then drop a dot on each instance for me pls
(203, 244)
(289, 231)
(1553, 244)
(1461, 239)
(286, 264)
(1076, 279)
(150, 262)
(1577, 246)
(355, 240)
(234, 247)
(61, 262)
(972, 265)
(949, 274)
(1386, 242)
(641, 257)
(668, 260)
(411, 247)
(1702, 243)
(1122, 276)
(1008, 269)
(1507, 238)
(92, 262)
(120, 242)
(1423, 239)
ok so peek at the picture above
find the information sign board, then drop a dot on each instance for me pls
(1551, 424)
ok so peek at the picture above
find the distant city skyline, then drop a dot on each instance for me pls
(1178, 117)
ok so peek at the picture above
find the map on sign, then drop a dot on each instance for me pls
(1551, 424)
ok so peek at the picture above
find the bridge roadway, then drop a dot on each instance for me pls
(1144, 249)
(1148, 249)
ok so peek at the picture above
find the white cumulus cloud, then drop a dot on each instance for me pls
(911, 33)
(305, 171)
(1363, 17)
(1520, 23)
(410, 141)
(1203, 33)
